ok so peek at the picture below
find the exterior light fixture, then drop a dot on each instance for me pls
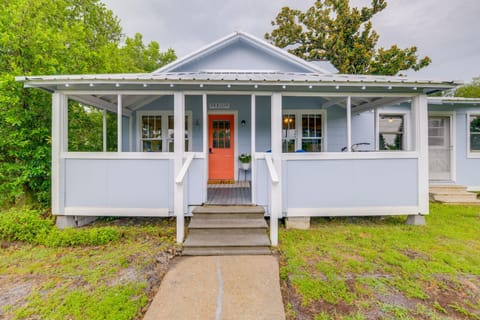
(201, 85)
(145, 85)
(255, 86)
(310, 87)
(284, 87)
(389, 87)
(117, 85)
(363, 87)
(243, 123)
(414, 88)
(337, 87)
(91, 84)
(67, 85)
(171, 85)
(229, 85)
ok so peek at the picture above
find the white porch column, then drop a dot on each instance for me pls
(253, 147)
(130, 133)
(179, 147)
(119, 123)
(205, 143)
(276, 188)
(59, 145)
(104, 129)
(348, 110)
(420, 112)
(376, 130)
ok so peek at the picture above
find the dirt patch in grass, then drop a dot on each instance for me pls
(119, 279)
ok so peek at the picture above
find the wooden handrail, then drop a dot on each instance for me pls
(184, 170)
(271, 169)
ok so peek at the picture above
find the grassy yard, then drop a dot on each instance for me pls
(372, 268)
(112, 281)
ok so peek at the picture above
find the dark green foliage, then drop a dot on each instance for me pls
(44, 37)
(332, 30)
(471, 90)
(29, 226)
(23, 225)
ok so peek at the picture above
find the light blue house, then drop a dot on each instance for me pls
(300, 122)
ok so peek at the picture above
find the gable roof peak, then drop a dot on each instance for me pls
(249, 39)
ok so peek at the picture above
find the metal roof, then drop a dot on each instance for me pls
(238, 77)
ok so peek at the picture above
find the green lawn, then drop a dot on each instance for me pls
(372, 268)
(112, 281)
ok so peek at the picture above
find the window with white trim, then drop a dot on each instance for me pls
(156, 131)
(474, 132)
(391, 132)
(303, 130)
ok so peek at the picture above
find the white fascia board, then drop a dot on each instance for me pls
(450, 100)
(196, 54)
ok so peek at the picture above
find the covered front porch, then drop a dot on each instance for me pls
(319, 143)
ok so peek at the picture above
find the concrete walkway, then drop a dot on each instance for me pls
(219, 287)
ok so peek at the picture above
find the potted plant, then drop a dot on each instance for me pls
(245, 159)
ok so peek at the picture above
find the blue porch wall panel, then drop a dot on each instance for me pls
(240, 55)
(263, 128)
(467, 169)
(351, 183)
(119, 183)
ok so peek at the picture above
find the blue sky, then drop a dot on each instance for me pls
(445, 30)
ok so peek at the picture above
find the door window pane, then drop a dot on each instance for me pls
(221, 134)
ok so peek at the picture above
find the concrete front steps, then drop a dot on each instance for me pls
(453, 194)
(227, 230)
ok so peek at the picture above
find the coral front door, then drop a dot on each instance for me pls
(221, 147)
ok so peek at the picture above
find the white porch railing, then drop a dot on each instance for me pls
(184, 170)
(271, 169)
(275, 199)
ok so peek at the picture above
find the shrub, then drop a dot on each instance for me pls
(28, 225)
(23, 225)
(79, 237)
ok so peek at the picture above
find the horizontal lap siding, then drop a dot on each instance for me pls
(351, 183)
(119, 183)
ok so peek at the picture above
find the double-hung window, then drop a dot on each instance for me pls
(474, 132)
(303, 130)
(156, 131)
(391, 132)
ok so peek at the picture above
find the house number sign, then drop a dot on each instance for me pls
(219, 106)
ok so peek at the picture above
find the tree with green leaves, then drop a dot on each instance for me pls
(332, 30)
(471, 90)
(44, 37)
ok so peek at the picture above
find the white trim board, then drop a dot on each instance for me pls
(351, 212)
(453, 140)
(116, 212)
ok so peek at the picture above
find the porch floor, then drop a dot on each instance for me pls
(234, 193)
